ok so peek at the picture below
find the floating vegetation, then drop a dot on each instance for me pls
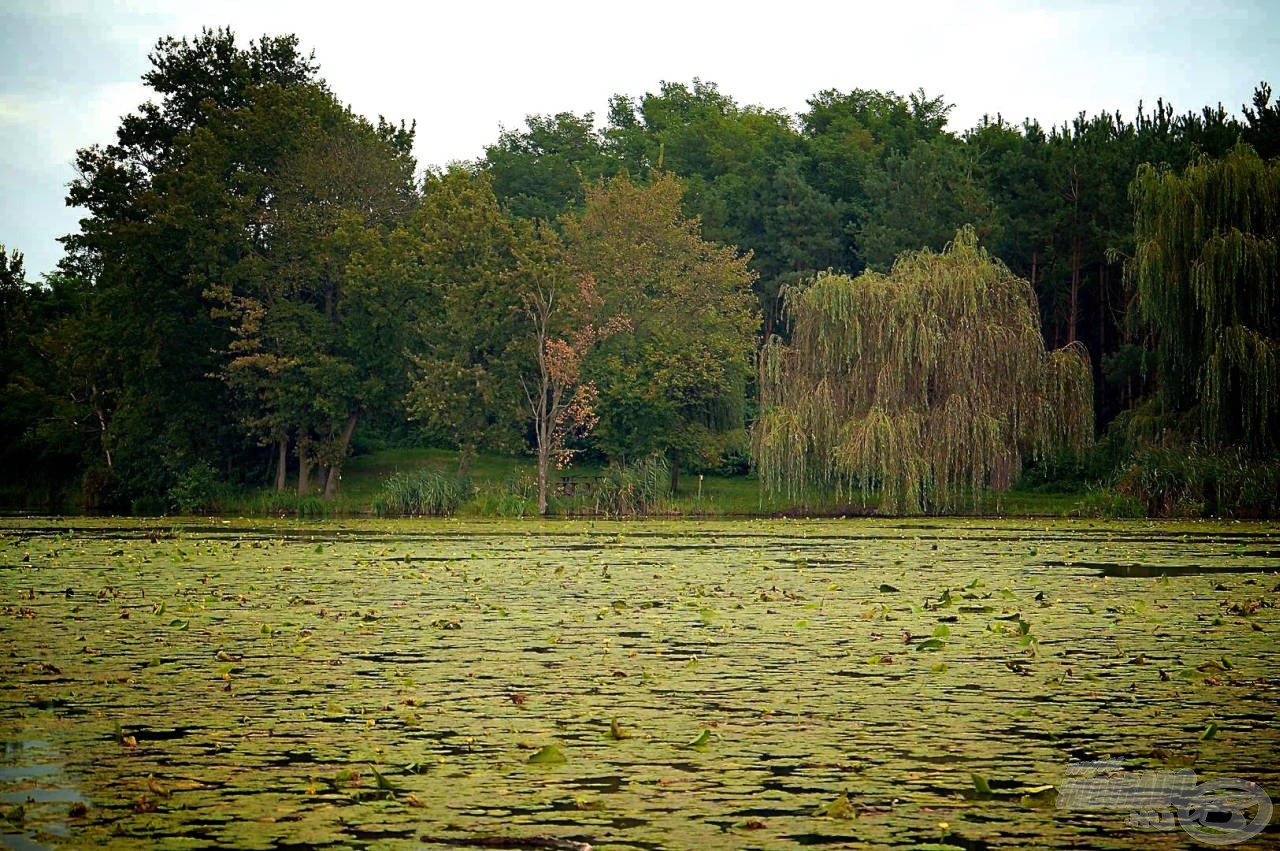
(607, 685)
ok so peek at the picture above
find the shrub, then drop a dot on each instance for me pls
(423, 492)
(148, 506)
(637, 489)
(197, 489)
(1193, 480)
(1106, 503)
(276, 504)
(516, 497)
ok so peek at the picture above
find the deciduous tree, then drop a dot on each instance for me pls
(1207, 276)
(925, 383)
(684, 367)
(565, 312)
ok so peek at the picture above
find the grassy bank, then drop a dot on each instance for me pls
(505, 486)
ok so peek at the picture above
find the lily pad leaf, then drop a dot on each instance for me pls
(840, 808)
(548, 755)
(980, 785)
(1039, 796)
(701, 740)
(1209, 732)
(931, 644)
(887, 588)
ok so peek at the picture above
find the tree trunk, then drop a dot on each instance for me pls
(675, 471)
(335, 470)
(1102, 311)
(304, 471)
(769, 303)
(102, 428)
(282, 465)
(543, 462)
(1075, 290)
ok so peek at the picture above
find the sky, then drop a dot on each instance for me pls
(69, 69)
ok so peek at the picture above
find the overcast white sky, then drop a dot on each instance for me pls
(70, 68)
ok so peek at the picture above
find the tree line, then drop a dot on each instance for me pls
(262, 281)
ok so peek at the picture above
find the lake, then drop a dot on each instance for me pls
(740, 684)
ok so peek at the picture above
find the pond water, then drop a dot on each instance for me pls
(751, 684)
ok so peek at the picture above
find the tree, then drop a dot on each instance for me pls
(466, 352)
(744, 174)
(1206, 270)
(222, 242)
(923, 383)
(566, 318)
(1262, 130)
(849, 136)
(14, 300)
(920, 198)
(539, 172)
(171, 206)
(690, 306)
(319, 313)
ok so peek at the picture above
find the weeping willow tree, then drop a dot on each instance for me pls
(1207, 271)
(926, 384)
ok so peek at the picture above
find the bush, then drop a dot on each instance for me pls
(197, 490)
(1193, 480)
(148, 506)
(424, 492)
(277, 504)
(516, 497)
(637, 489)
(1106, 503)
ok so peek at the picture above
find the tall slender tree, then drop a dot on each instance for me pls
(568, 319)
(464, 250)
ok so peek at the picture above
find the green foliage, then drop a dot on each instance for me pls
(516, 496)
(257, 269)
(272, 504)
(921, 197)
(635, 489)
(465, 340)
(1262, 129)
(1106, 503)
(1207, 275)
(1194, 480)
(166, 212)
(681, 372)
(539, 171)
(198, 489)
(424, 492)
(921, 385)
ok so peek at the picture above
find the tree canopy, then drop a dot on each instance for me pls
(679, 377)
(922, 384)
(262, 283)
(1207, 275)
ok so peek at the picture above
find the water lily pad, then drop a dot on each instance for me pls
(547, 755)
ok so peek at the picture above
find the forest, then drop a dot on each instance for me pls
(856, 302)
